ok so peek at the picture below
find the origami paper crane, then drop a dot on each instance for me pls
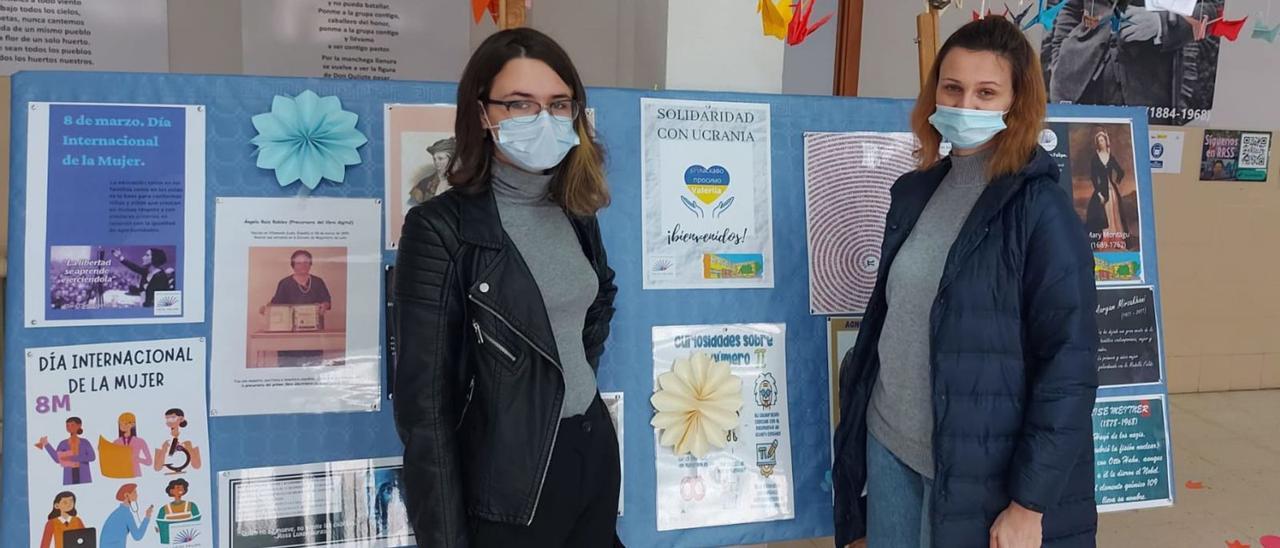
(1263, 32)
(1045, 17)
(977, 16)
(478, 7)
(1019, 17)
(775, 17)
(800, 29)
(1227, 29)
(1199, 27)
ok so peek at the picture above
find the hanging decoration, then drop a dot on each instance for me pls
(1017, 18)
(307, 138)
(478, 7)
(800, 29)
(697, 405)
(1263, 31)
(775, 17)
(1045, 16)
(1227, 29)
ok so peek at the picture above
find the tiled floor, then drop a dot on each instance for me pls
(1229, 442)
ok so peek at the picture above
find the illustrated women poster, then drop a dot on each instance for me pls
(419, 145)
(1096, 162)
(117, 445)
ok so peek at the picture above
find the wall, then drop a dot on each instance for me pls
(1218, 263)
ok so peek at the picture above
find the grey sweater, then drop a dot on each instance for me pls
(547, 243)
(901, 411)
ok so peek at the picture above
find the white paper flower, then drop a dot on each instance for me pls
(697, 403)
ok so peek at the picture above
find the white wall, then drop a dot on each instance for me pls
(717, 45)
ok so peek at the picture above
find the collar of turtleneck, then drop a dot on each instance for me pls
(515, 185)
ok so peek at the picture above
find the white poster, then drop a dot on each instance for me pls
(355, 503)
(842, 334)
(115, 214)
(1166, 151)
(297, 305)
(707, 195)
(613, 401)
(749, 480)
(118, 445)
(382, 40)
(84, 35)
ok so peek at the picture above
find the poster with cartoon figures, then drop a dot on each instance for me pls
(722, 439)
(117, 445)
(708, 222)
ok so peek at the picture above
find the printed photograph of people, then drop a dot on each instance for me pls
(73, 454)
(96, 277)
(297, 307)
(1105, 186)
(420, 146)
(1156, 59)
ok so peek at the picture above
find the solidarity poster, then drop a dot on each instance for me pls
(118, 445)
(1235, 155)
(749, 480)
(295, 325)
(114, 214)
(1097, 164)
(355, 503)
(708, 218)
(847, 177)
(1128, 333)
(1131, 453)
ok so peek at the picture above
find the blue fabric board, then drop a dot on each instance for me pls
(245, 442)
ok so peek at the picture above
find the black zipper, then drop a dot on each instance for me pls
(471, 388)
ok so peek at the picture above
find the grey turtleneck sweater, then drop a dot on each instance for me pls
(548, 244)
(901, 414)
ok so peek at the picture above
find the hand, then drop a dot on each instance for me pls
(44, 440)
(187, 445)
(1143, 26)
(150, 510)
(117, 254)
(1017, 527)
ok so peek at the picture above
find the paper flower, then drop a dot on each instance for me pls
(697, 403)
(307, 138)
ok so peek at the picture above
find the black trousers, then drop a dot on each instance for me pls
(579, 503)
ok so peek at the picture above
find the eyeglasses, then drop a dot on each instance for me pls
(525, 112)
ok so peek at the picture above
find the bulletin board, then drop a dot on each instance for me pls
(237, 442)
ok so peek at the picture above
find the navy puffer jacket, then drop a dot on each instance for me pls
(1013, 356)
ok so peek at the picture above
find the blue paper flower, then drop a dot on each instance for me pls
(307, 138)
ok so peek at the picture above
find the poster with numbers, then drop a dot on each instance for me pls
(1235, 155)
(117, 445)
(750, 478)
(1131, 453)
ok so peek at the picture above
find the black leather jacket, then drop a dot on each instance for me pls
(478, 383)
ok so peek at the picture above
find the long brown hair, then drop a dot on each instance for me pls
(1025, 120)
(578, 183)
(58, 498)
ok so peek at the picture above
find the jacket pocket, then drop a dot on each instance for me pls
(501, 352)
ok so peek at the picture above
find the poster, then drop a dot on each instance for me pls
(419, 146)
(750, 479)
(842, 334)
(1160, 60)
(383, 40)
(1097, 164)
(84, 35)
(1235, 155)
(613, 401)
(114, 214)
(846, 184)
(707, 195)
(1131, 453)
(296, 317)
(1166, 151)
(354, 503)
(1128, 336)
(118, 442)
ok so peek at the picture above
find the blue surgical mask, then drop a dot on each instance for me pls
(967, 128)
(539, 144)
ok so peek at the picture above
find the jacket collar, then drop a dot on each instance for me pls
(478, 220)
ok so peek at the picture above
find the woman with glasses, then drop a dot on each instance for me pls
(503, 299)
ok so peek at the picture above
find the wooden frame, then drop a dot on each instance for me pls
(848, 47)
